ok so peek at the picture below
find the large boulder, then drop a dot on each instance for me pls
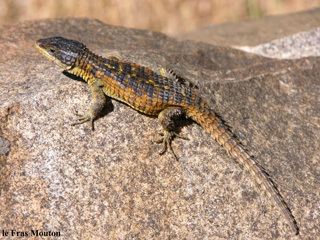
(111, 183)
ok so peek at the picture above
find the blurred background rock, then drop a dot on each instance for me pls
(168, 16)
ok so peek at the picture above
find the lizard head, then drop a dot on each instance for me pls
(64, 52)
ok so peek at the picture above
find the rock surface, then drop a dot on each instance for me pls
(302, 44)
(112, 184)
(255, 32)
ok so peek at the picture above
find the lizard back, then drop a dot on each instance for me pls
(138, 86)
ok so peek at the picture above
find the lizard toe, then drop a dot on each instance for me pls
(166, 141)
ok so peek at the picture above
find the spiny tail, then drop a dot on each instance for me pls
(211, 123)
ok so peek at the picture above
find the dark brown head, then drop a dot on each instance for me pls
(62, 51)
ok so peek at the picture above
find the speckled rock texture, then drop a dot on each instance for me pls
(302, 44)
(112, 184)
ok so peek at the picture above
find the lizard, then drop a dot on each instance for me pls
(162, 94)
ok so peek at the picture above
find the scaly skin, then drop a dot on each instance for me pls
(163, 95)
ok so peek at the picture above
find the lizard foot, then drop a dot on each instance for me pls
(82, 119)
(166, 140)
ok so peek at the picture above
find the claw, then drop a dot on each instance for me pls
(173, 153)
(161, 139)
(164, 148)
(181, 136)
(92, 125)
(82, 119)
(77, 113)
(166, 141)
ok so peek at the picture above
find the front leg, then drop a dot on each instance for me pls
(168, 118)
(98, 102)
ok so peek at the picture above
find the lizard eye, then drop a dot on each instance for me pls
(52, 50)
